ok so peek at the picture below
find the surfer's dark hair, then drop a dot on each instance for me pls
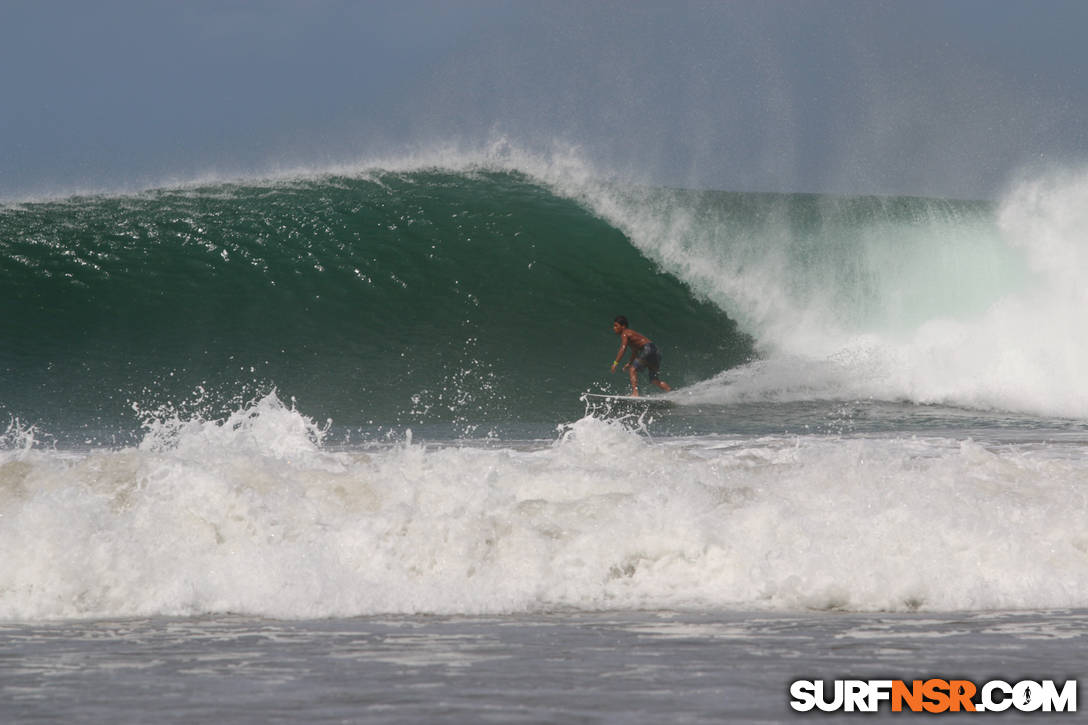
(622, 320)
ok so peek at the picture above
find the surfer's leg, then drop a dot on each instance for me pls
(633, 370)
(653, 364)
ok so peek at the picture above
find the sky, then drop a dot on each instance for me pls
(953, 98)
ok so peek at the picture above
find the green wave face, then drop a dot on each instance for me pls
(477, 300)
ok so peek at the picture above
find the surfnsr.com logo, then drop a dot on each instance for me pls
(933, 696)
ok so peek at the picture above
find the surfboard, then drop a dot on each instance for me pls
(625, 399)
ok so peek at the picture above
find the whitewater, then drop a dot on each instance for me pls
(336, 409)
(251, 514)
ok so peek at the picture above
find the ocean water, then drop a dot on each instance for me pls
(314, 448)
(642, 667)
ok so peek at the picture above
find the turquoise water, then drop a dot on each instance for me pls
(479, 302)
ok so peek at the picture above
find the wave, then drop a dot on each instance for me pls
(255, 514)
(394, 298)
(479, 292)
(928, 301)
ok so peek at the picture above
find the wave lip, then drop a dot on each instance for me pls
(925, 300)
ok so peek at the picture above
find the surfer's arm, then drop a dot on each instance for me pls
(619, 355)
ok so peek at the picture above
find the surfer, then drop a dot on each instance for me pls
(644, 355)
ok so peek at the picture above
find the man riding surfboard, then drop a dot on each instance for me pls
(644, 355)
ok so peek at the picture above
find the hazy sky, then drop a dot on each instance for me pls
(947, 98)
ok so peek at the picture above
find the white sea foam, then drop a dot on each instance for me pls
(251, 514)
(962, 310)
